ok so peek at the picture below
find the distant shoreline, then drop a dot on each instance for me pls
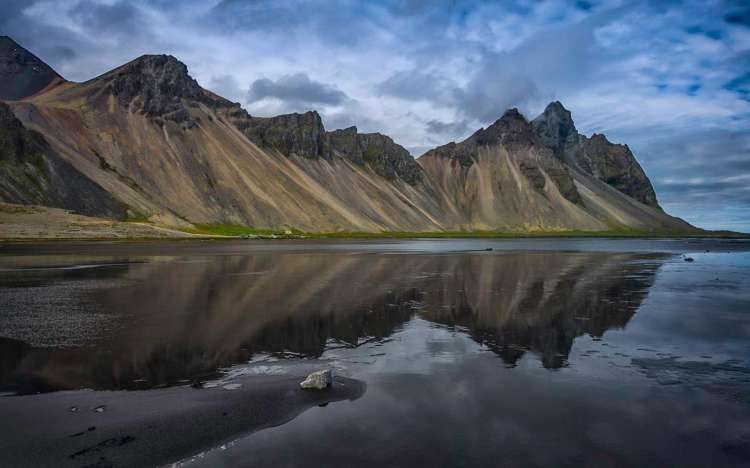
(19, 223)
(389, 235)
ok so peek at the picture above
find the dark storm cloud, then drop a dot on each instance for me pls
(10, 10)
(437, 127)
(739, 16)
(416, 85)
(227, 86)
(740, 85)
(297, 88)
(120, 17)
(50, 42)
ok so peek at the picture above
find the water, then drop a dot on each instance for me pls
(537, 352)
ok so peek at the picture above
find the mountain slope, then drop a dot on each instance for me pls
(31, 173)
(164, 147)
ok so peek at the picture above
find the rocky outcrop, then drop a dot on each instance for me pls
(295, 134)
(160, 87)
(613, 164)
(616, 166)
(555, 129)
(303, 135)
(378, 151)
(22, 74)
(31, 173)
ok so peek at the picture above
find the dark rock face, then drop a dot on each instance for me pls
(534, 174)
(160, 87)
(562, 178)
(300, 135)
(596, 156)
(615, 165)
(32, 174)
(303, 135)
(22, 74)
(378, 151)
(555, 128)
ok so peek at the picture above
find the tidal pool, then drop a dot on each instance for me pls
(537, 352)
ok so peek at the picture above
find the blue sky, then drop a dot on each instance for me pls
(669, 78)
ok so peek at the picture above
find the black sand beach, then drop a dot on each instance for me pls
(150, 428)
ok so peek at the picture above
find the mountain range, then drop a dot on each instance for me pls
(145, 141)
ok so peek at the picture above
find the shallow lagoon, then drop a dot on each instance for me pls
(537, 352)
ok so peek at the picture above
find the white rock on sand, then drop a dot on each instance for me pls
(318, 380)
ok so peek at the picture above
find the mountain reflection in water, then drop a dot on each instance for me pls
(184, 319)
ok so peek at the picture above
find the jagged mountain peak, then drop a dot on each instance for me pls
(157, 67)
(512, 114)
(162, 73)
(596, 156)
(512, 130)
(556, 107)
(556, 128)
(157, 85)
(22, 74)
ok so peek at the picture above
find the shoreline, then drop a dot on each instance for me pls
(20, 223)
(151, 427)
(377, 236)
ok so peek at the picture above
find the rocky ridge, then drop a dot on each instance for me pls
(611, 163)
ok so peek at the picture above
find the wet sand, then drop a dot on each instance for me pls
(150, 428)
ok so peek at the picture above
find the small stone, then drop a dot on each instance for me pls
(689, 259)
(318, 380)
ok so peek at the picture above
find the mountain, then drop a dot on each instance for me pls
(516, 175)
(161, 146)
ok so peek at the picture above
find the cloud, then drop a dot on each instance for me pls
(416, 85)
(296, 89)
(447, 128)
(227, 86)
(739, 17)
(120, 17)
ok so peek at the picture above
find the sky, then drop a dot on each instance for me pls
(669, 78)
